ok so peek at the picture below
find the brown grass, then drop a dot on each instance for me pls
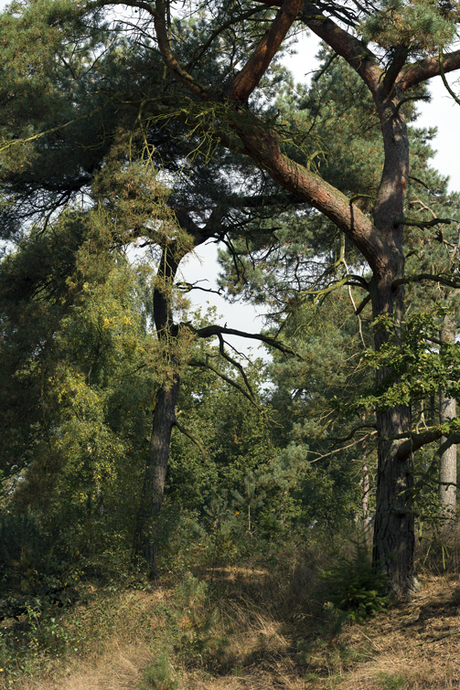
(275, 636)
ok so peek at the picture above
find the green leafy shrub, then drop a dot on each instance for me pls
(159, 675)
(353, 586)
(193, 625)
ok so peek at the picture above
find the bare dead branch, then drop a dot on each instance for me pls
(350, 445)
(188, 287)
(412, 222)
(353, 432)
(193, 438)
(440, 278)
(227, 379)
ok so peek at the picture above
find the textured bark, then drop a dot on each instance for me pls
(249, 77)
(147, 533)
(448, 460)
(394, 535)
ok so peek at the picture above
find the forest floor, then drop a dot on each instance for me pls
(243, 629)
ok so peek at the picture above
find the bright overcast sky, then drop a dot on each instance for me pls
(442, 113)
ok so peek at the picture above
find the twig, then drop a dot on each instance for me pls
(191, 437)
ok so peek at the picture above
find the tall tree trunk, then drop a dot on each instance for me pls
(146, 536)
(448, 462)
(394, 532)
(147, 531)
(394, 537)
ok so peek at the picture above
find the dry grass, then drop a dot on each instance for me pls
(119, 668)
(273, 636)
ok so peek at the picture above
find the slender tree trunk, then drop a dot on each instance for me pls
(146, 536)
(365, 499)
(147, 531)
(448, 462)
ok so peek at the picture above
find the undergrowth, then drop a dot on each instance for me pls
(208, 623)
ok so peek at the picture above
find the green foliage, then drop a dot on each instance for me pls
(419, 366)
(391, 681)
(93, 110)
(75, 344)
(159, 675)
(419, 26)
(248, 502)
(354, 586)
(193, 624)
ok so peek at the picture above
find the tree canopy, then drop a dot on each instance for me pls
(104, 110)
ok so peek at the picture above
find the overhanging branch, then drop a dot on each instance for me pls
(353, 432)
(450, 441)
(414, 442)
(436, 278)
(216, 331)
(426, 69)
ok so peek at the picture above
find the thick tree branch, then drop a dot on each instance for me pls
(248, 79)
(344, 44)
(264, 147)
(452, 440)
(427, 69)
(414, 442)
(398, 62)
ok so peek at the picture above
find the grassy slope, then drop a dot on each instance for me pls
(246, 629)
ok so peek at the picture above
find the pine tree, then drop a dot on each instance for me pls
(216, 67)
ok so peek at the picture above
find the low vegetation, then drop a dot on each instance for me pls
(283, 624)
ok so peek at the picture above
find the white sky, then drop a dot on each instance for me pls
(442, 113)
